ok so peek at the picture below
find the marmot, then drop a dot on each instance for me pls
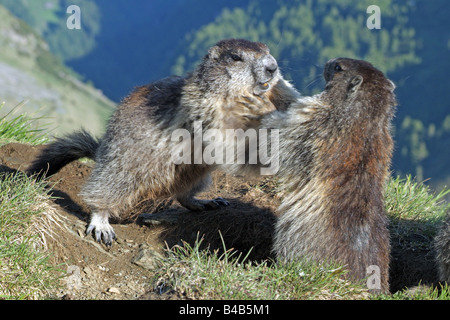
(133, 159)
(442, 247)
(335, 150)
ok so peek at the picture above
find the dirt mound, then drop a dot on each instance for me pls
(122, 271)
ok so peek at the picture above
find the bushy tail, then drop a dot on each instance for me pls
(63, 151)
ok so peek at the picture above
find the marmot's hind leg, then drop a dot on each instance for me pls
(188, 200)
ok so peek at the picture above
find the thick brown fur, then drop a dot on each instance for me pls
(335, 150)
(442, 247)
(134, 158)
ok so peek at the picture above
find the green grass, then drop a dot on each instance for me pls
(414, 209)
(25, 214)
(25, 217)
(20, 128)
(407, 199)
(199, 274)
(441, 292)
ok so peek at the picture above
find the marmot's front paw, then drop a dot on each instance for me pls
(102, 229)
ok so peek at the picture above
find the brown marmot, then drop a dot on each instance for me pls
(442, 247)
(335, 150)
(133, 159)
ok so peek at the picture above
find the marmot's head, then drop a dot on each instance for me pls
(356, 85)
(236, 65)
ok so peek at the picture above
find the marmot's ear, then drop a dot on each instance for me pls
(214, 52)
(355, 83)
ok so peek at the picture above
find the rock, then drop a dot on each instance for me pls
(103, 268)
(113, 290)
(87, 270)
(73, 280)
(147, 258)
(169, 216)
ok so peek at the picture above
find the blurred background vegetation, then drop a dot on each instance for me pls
(123, 44)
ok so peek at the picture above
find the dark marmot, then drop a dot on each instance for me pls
(133, 159)
(335, 150)
(442, 247)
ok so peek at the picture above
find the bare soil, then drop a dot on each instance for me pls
(123, 271)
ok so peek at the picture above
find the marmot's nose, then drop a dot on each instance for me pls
(271, 65)
(271, 68)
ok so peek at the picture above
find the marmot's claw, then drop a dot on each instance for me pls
(221, 201)
(108, 237)
(102, 230)
(200, 205)
(214, 203)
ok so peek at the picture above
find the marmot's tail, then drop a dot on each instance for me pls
(63, 151)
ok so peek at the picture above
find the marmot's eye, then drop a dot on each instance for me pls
(337, 67)
(235, 57)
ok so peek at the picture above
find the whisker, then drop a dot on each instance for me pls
(314, 81)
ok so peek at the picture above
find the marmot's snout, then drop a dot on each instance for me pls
(265, 73)
(270, 65)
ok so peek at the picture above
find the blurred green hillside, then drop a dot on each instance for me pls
(123, 44)
(36, 80)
